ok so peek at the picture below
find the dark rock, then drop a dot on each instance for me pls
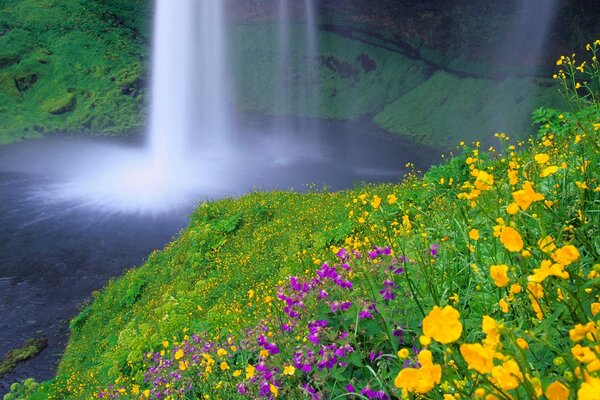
(367, 63)
(25, 82)
(343, 68)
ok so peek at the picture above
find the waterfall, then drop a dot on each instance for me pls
(171, 66)
(296, 79)
(189, 80)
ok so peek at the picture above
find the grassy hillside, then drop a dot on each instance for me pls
(71, 66)
(479, 279)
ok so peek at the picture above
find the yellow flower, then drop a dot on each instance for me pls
(511, 239)
(516, 288)
(513, 176)
(580, 331)
(490, 327)
(503, 305)
(550, 170)
(526, 196)
(237, 373)
(595, 308)
(512, 208)
(289, 370)
(224, 366)
(420, 380)
(443, 325)
(557, 391)
(546, 269)
(376, 202)
(507, 376)
(135, 389)
(522, 343)
(478, 357)
(484, 181)
(499, 274)
(250, 371)
(566, 255)
(403, 353)
(546, 244)
(589, 389)
(274, 390)
(183, 365)
(391, 199)
(178, 354)
(474, 234)
(221, 352)
(583, 354)
(541, 158)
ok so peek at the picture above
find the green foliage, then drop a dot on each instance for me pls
(22, 391)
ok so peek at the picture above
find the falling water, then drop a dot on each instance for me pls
(171, 66)
(189, 90)
(296, 81)
(523, 47)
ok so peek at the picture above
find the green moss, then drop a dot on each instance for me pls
(31, 349)
(447, 109)
(59, 105)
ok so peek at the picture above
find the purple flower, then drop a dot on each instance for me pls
(433, 250)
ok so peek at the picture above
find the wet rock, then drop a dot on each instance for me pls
(343, 68)
(367, 63)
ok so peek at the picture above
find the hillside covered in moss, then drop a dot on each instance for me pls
(72, 67)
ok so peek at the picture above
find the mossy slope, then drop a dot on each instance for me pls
(71, 66)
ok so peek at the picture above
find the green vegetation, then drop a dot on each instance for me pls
(359, 80)
(72, 66)
(479, 279)
(31, 349)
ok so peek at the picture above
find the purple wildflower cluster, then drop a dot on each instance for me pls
(296, 352)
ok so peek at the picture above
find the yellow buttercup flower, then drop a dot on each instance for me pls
(522, 343)
(391, 199)
(478, 357)
(499, 274)
(420, 380)
(550, 170)
(443, 325)
(512, 209)
(376, 202)
(546, 244)
(546, 269)
(178, 354)
(507, 376)
(474, 234)
(557, 391)
(566, 255)
(541, 158)
(589, 389)
(526, 196)
(511, 239)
